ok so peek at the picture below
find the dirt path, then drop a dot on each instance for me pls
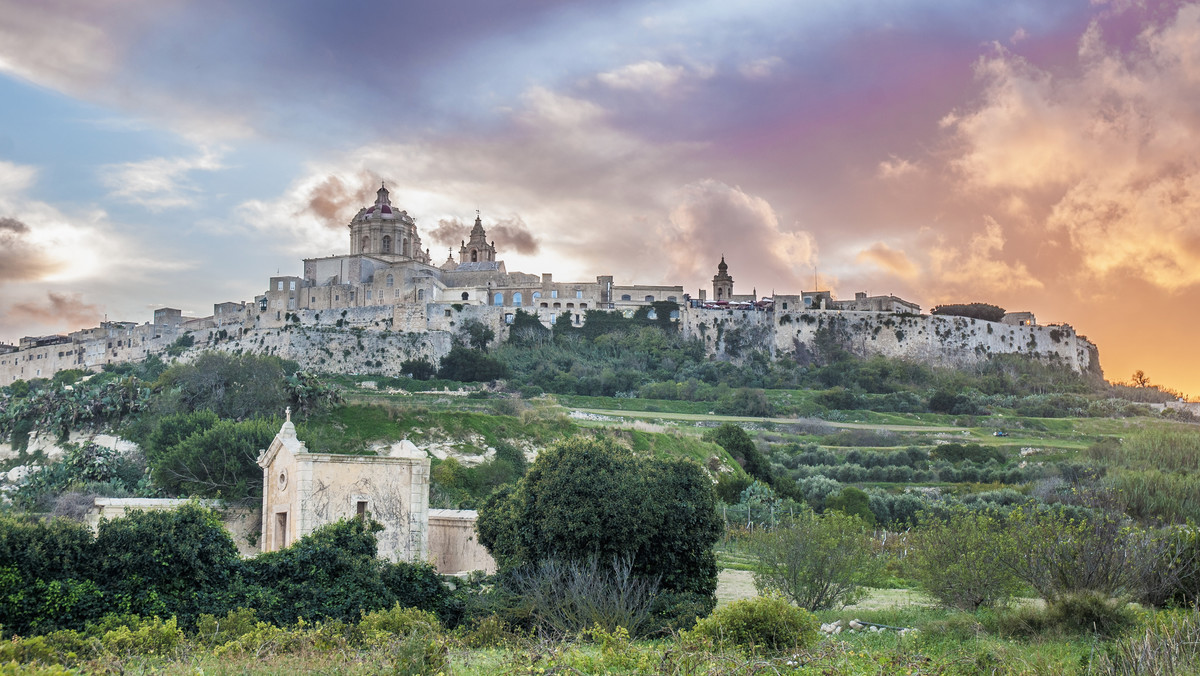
(697, 417)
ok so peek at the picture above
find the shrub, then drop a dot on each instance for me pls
(153, 637)
(820, 562)
(854, 502)
(468, 366)
(768, 622)
(957, 560)
(418, 369)
(567, 598)
(165, 562)
(741, 448)
(589, 497)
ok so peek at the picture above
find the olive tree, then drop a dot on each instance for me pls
(818, 561)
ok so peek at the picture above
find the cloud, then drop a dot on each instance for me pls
(896, 167)
(888, 259)
(760, 69)
(336, 199)
(645, 76)
(513, 233)
(59, 309)
(20, 258)
(978, 265)
(1104, 155)
(711, 218)
(450, 232)
(161, 182)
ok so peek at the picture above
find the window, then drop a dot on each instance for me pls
(583, 306)
(554, 293)
(570, 305)
(626, 296)
(387, 244)
(336, 297)
(649, 299)
(279, 286)
(391, 281)
(785, 306)
(508, 318)
(291, 303)
(292, 285)
(517, 299)
(366, 242)
(578, 293)
(498, 299)
(466, 296)
(576, 319)
(420, 294)
(313, 299)
(557, 306)
(671, 299)
(447, 313)
(397, 293)
(360, 510)
(543, 305)
(368, 294)
(537, 295)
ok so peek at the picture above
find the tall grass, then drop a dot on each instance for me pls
(1153, 494)
(1170, 448)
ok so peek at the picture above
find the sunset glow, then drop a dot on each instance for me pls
(1038, 156)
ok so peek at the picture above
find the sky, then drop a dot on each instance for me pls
(1039, 156)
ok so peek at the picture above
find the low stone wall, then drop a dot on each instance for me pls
(453, 545)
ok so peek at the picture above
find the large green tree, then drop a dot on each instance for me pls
(587, 498)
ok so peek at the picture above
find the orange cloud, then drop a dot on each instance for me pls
(888, 259)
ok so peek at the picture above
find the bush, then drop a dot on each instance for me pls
(469, 366)
(958, 560)
(165, 562)
(768, 622)
(152, 637)
(567, 598)
(741, 448)
(854, 502)
(820, 562)
(418, 369)
(1076, 613)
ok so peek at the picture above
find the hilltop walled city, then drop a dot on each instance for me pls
(386, 301)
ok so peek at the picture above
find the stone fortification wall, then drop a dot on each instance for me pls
(932, 339)
(333, 349)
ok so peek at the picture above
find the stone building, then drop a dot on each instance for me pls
(303, 491)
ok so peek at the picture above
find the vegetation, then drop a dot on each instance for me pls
(984, 488)
(817, 561)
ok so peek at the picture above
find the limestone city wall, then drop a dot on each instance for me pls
(931, 339)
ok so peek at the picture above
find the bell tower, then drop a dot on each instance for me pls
(722, 282)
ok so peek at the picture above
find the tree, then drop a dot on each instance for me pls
(232, 386)
(1140, 379)
(586, 498)
(984, 311)
(818, 561)
(475, 334)
(958, 559)
(741, 448)
(852, 501)
(468, 366)
(216, 461)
